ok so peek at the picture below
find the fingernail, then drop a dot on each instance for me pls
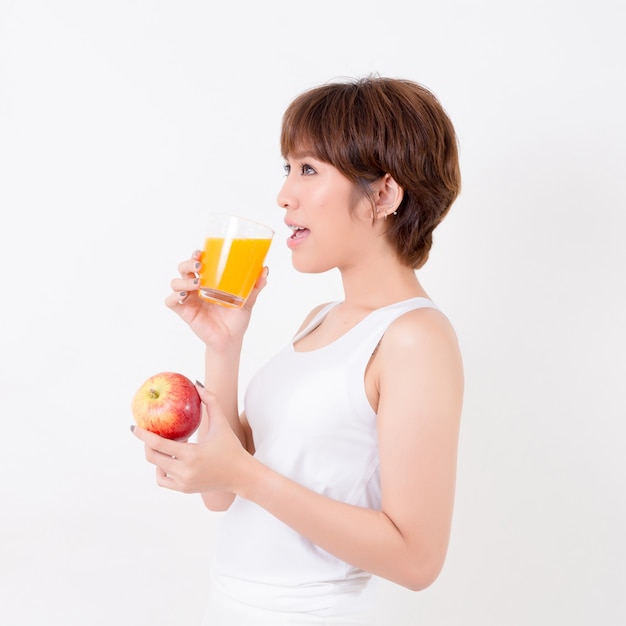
(197, 266)
(132, 428)
(199, 384)
(196, 281)
(183, 294)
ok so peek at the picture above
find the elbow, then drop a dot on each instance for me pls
(217, 502)
(216, 508)
(421, 581)
(421, 574)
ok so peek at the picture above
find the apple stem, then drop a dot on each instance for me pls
(154, 393)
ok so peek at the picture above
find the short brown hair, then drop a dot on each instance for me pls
(373, 126)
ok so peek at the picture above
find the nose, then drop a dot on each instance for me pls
(285, 198)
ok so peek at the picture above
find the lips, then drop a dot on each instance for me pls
(298, 234)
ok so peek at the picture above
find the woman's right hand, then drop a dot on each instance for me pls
(217, 326)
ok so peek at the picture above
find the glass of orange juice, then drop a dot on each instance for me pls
(232, 258)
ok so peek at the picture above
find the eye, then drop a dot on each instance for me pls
(305, 169)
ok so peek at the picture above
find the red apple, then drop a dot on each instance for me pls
(168, 404)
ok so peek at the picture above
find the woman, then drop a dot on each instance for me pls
(343, 461)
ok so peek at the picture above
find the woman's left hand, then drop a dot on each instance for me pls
(210, 465)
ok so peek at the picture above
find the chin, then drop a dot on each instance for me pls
(311, 266)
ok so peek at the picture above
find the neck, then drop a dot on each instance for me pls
(379, 282)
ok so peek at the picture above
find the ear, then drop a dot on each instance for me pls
(388, 196)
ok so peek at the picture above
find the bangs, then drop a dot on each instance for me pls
(305, 132)
(337, 123)
(327, 123)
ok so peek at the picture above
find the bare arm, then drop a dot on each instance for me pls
(221, 379)
(419, 377)
(222, 330)
(420, 390)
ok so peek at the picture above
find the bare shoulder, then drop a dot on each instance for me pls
(419, 354)
(424, 328)
(419, 378)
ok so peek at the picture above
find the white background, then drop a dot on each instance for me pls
(124, 122)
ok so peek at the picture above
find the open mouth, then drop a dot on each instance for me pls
(298, 232)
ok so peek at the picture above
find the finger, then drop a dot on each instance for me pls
(168, 447)
(189, 267)
(260, 284)
(181, 294)
(165, 463)
(164, 480)
(185, 284)
(188, 283)
(207, 397)
(213, 412)
(181, 290)
(261, 281)
(176, 299)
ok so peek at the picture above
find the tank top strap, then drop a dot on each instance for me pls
(391, 312)
(368, 333)
(315, 321)
(376, 322)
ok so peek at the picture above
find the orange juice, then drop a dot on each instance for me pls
(230, 268)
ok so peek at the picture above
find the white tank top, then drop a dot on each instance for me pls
(311, 422)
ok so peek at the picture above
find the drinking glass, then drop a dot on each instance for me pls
(232, 259)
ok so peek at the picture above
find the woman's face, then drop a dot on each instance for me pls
(329, 216)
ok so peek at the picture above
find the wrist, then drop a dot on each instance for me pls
(251, 479)
(226, 356)
(223, 344)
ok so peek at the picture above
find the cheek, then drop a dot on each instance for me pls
(320, 253)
